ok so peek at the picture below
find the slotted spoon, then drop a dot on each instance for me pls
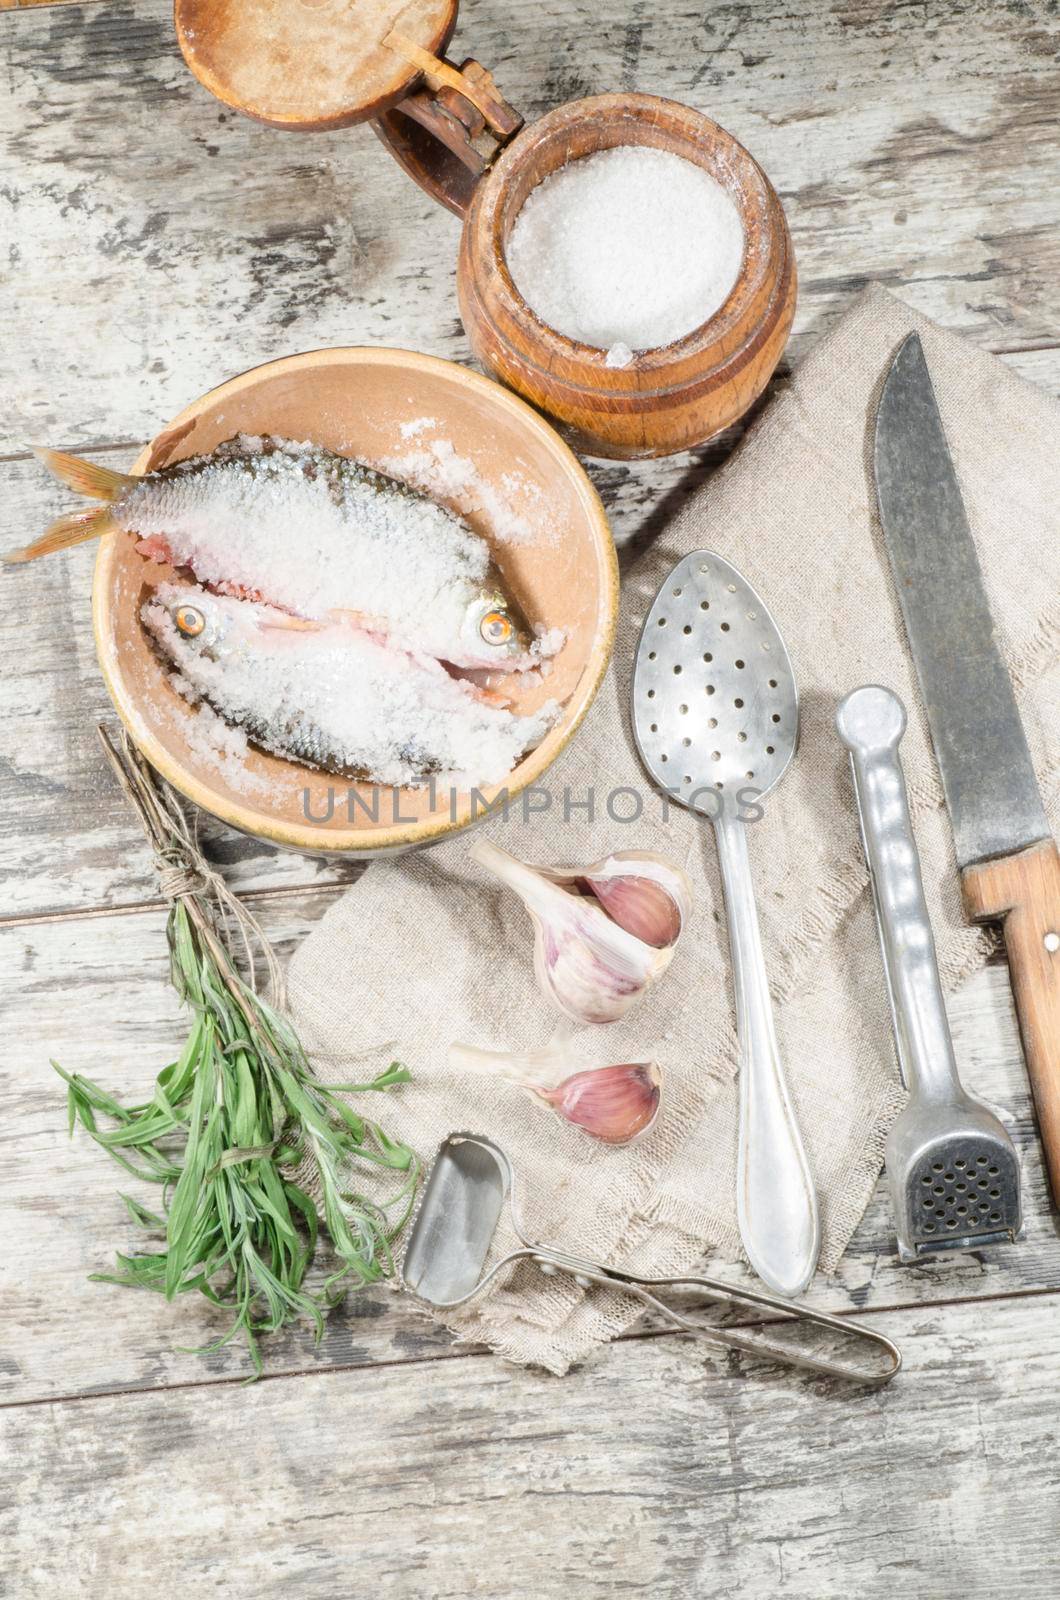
(715, 717)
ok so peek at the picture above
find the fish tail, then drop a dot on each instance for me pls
(84, 477)
(75, 528)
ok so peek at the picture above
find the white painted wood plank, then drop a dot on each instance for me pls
(205, 243)
(24, 5)
(159, 243)
(67, 838)
(653, 1470)
(93, 993)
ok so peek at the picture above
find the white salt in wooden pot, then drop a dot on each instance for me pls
(560, 565)
(312, 64)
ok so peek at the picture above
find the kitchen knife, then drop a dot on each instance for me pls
(1008, 860)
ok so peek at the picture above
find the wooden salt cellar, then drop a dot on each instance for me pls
(667, 399)
(312, 64)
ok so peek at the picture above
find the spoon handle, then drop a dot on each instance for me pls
(776, 1205)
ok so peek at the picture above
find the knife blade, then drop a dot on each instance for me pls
(1008, 860)
(991, 791)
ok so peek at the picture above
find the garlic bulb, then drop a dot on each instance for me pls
(614, 1104)
(602, 932)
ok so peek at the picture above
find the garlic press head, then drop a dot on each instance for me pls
(954, 1178)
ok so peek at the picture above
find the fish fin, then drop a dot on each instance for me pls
(363, 620)
(84, 477)
(75, 528)
(284, 621)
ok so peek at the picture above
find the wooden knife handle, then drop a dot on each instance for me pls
(1023, 893)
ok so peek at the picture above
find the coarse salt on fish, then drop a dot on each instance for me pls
(338, 699)
(314, 533)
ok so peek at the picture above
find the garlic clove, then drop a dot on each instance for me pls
(614, 1104)
(602, 933)
(643, 908)
(644, 893)
(542, 1068)
(592, 969)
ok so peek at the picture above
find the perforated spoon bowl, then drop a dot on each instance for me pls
(715, 717)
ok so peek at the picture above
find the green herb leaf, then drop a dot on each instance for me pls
(229, 1118)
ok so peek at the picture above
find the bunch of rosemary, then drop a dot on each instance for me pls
(235, 1114)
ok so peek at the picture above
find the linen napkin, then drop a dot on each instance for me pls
(426, 949)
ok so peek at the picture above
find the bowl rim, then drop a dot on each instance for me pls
(360, 841)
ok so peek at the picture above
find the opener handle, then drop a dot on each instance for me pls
(1023, 893)
(776, 1204)
(879, 1368)
(870, 722)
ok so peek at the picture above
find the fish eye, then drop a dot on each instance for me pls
(496, 627)
(190, 621)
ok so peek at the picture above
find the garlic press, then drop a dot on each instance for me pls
(951, 1166)
(470, 1183)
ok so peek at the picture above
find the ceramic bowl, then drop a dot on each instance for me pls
(527, 495)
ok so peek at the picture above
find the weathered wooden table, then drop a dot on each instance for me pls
(153, 244)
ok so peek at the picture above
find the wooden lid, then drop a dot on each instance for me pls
(307, 64)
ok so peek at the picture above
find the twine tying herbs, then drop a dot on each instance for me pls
(183, 872)
(239, 1110)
